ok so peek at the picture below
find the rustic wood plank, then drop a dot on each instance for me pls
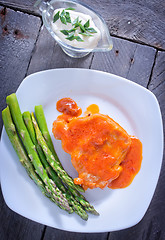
(127, 59)
(27, 6)
(152, 225)
(157, 86)
(52, 234)
(142, 21)
(148, 229)
(18, 33)
(48, 55)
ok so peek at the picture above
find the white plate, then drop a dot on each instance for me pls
(132, 106)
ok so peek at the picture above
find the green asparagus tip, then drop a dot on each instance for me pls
(85, 217)
(13, 95)
(94, 212)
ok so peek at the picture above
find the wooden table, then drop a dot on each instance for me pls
(138, 32)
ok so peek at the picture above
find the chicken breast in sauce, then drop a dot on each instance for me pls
(97, 144)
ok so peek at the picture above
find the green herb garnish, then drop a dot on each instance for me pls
(72, 30)
(86, 34)
(91, 30)
(65, 32)
(82, 27)
(62, 17)
(78, 39)
(70, 8)
(76, 21)
(86, 25)
(65, 18)
(56, 16)
(71, 37)
(62, 13)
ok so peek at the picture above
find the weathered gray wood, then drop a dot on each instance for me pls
(127, 59)
(47, 55)
(53, 234)
(18, 33)
(148, 229)
(142, 21)
(157, 84)
(27, 5)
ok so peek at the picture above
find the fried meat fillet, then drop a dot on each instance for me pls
(97, 145)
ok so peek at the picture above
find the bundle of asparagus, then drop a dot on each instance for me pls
(36, 153)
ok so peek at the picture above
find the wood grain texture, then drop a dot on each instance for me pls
(157, 84)
(18, 33)
(48, 55)
(53, 234)
(127, 59)
(27, 5)
(142, 21)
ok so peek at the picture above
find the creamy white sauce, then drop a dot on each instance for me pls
(88, 41)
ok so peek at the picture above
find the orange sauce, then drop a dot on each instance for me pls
(92, 109)
(130, 165)
(68, 107)
(102, 152)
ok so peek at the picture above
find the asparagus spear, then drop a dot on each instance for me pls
(81, 199)
(50, 158)
(74, 204)
(28, 122)
(50, 186)
(18, 147)
(44, 130)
